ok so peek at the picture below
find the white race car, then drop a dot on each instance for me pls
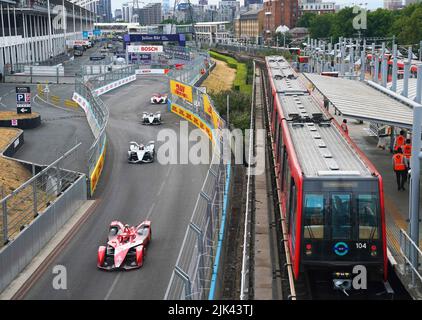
(139, 153)
(159, 98)
(151, 118)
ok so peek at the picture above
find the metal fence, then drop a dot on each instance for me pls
(411, 254)
(195, 275)
(114, 73)
(15, 256)
(191, 278)
(24, 204)
(193, 70)
(97, 114)
(252, 49)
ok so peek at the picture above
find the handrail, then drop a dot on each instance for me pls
(406, 237)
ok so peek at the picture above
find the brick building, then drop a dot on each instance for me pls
(278, 13)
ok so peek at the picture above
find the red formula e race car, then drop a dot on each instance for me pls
(126, 246)
(159, 98)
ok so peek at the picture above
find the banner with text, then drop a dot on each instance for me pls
(144, 49)
(181, 90)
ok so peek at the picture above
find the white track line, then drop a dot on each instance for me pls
(150, 211)
(112, 287)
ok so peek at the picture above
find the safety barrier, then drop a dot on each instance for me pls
(195, 275)
(33, 213)
(193, 70)
(86, 95)
(411, 255)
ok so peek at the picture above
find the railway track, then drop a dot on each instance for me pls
(284, 270)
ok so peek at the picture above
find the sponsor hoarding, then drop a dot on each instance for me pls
(144, 49)
(181, 90)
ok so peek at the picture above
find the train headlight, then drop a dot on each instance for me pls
(373, 250)
(308, 248)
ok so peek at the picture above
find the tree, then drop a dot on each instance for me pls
(321, 26)
(380, 23)
(408, 28)
(342, 25)
(305, 20)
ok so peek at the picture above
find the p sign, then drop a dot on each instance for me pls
(23, 98)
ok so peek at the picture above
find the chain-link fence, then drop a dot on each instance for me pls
(24, 204)
(195, 275)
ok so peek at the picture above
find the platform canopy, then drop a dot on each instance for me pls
(357, 99)
(411, 88)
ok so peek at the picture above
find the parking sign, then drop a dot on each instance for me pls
(23, 100)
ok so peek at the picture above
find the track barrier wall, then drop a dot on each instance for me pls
(87, 95)
(196, 273)
(33, 213)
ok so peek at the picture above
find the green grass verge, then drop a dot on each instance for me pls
(241, 71)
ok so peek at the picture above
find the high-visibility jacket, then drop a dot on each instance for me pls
(407, 150)
(399, 162)
(399, 142)
(344, 127)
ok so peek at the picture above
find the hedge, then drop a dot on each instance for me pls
(241, 71)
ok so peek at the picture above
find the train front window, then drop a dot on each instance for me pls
(341, 222)
(314, 216)
(368, 217)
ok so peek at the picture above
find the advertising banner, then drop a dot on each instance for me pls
(151, 71)
(192, 118)
(181, 90)
(144, 49)
(207, 105)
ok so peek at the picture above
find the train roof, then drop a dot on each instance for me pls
(320, 147)
(284, 76)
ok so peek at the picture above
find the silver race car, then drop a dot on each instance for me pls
(159, 98)
(151, 118)
(139, 153)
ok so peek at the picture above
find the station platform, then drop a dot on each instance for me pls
(396, 202)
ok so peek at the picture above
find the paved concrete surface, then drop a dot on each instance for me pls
(266, 259)
(164, 193)
(59, 131)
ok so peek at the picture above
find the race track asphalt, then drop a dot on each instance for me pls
(166, 194)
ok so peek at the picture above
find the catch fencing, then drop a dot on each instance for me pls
(196, 274)
(32, 214)
(87, 96)
(193, 70)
